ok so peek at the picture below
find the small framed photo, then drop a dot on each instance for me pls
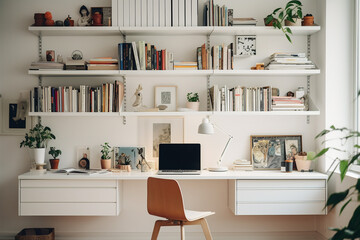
(99, 10)
(267, 152)
(14, 117)
(50, 55)
(245, 45)
(132, 154)
(166, 98)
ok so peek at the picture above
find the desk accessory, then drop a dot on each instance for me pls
(208, 128)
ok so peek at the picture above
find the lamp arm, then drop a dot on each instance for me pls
(222, 154)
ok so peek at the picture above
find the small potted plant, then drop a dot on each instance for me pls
(55, 153)
(291, 15)
(126, 161)
(303, 160)
(308, 20)
(193, 101)
(105, 156)
(36, 140)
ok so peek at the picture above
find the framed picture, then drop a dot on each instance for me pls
(153, 131)
(133, 154)
(50, 55)
(99, 10)
(166, 98)
(106, 17)
(14, 119)
(267, 152)
(245, 45)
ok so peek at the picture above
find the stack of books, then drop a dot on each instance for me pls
(106, 98)
(214, 15)
(71, 64)
(185, 66)
(244, 21)
(221, 57)
(43, 65)
(287, 104)
(144, 56)
(240, 99)
(289, 61)
(103, 64)
(242, 165)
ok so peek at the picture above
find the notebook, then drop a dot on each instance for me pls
(179, 159)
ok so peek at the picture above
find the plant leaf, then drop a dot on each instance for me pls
(276, 10)
(343, 168)
(355, 219)
(354, 158)
(322, 133)
(336, 198)
(299, 13)
(322, 152)
(269, 19)
(295, 2)
(344, 206)
(288, 38)
(281, 15)
(288, 30)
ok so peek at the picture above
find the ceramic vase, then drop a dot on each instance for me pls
(105, 163)
(296, 23)
(38, 154)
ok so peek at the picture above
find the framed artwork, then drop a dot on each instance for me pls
(166, 98)
(14, 117)
(245, 45)
(267, 152)
(99, 10)
(50, 55)
(152, 131)
(133, 154)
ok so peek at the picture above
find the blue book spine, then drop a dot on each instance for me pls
(52, 99)
(121, 55)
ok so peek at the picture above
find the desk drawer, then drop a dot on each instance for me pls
(314, 208)
(68, 195)
(68, 183)
(289, 184)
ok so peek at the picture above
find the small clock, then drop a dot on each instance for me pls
(245, 45)
(84, 162)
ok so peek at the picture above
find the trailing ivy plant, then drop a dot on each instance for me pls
(37, 137)
(105, 151)
(352, 230)
(291, 12)
(55, 152)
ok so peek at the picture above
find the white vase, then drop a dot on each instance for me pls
(38, 155)
(193, 105)
(296, 23)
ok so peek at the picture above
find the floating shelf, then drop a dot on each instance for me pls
(167, 31)
(74, 114)
(149, 73)
(80, 73)
(75, 31)
(266, 72)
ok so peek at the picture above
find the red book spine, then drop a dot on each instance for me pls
(62, 99)
(162, 59)
(56, 101)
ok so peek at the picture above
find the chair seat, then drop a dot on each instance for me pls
(196, 215)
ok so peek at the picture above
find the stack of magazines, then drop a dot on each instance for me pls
(287, 104)
(289, 61)
(43, 65)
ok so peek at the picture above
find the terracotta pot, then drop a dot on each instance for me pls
(54, 163)
(105, 163)
(308, 21)
(296, 23)
(193, 105)
(302, 163)
(270, 23)
(125, 168)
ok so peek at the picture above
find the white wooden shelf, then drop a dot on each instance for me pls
(158, 73)
(75, 31)
(74, 114)
(167, 31)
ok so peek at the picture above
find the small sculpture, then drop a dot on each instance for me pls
(60, 59)
(84, 20)
(68, 21)
(138, 95)
(49, 21)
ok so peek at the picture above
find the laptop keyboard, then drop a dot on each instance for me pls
(179, 170)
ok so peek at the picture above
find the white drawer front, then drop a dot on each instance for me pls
(291, 184)
(281, 209)
(279, 196)
(68, 209)
(68, 183)
(100, 195)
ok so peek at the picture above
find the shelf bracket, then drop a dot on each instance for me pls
(208, 92)
(124, 36)
(124, 101)
(308, 78)
(40, 46)
(208, 42)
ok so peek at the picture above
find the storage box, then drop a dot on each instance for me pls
(36, 234)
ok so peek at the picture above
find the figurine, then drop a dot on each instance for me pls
(49, 21)
(138, 101)
(60, 59)
(68, 21)
(84, 20)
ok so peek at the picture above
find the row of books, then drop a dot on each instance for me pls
(220, 57)
(287, 103)
(288, 61)
(214, 15)
(106, 98)
(158, 13)
(144, 56)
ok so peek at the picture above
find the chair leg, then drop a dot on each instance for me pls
(206, 229)
(156, 230)
(182, 230)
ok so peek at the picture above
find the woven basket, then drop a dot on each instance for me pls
(36, 234)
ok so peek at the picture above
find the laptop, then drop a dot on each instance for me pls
(179, 159)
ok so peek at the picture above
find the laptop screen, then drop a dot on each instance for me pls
(179, 156)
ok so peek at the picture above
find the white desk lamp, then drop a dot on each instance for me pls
(208, 128)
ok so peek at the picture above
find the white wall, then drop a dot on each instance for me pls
(18, 48)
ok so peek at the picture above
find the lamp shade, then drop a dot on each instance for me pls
(206, 127)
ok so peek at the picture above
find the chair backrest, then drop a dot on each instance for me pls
(164, 199)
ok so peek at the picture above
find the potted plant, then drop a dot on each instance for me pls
(303, 160)
(308, 20)
(127, 161)
(36, 140)
(54, 162)
(289, 16)
(193, 101)
(105, 156)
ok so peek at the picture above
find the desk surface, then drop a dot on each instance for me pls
(205, 175)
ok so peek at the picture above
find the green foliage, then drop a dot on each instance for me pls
(105, 151)
(291, 12)
(55, 152)
(192, 97)
(37, 137)
(352, 230)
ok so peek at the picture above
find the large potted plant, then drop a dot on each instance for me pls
(55, 153)
(193, 101)
(288, 16)
(36, 140)
(105, 156)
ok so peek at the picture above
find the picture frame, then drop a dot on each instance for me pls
(268, 151)
(14, 121)
(166, 96)
(93, 10)
(245, 45)
(153, 130)
(135, 155)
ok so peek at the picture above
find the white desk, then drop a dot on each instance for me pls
(250, 192)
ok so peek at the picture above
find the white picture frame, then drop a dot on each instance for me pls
(11, 126)
(245, 45)
(166, 96)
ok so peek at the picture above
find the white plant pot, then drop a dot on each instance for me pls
(296, 23)
(39, 155)
(193, 105)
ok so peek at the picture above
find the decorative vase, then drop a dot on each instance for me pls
(308, 21)
(105, 163)
(296, 23)
(38, 155)
(54, 163)
(125, 168)
(193, 105)
(302, 163)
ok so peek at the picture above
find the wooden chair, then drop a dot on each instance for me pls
(164, 199)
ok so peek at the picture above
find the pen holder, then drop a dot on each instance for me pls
(289, 164)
